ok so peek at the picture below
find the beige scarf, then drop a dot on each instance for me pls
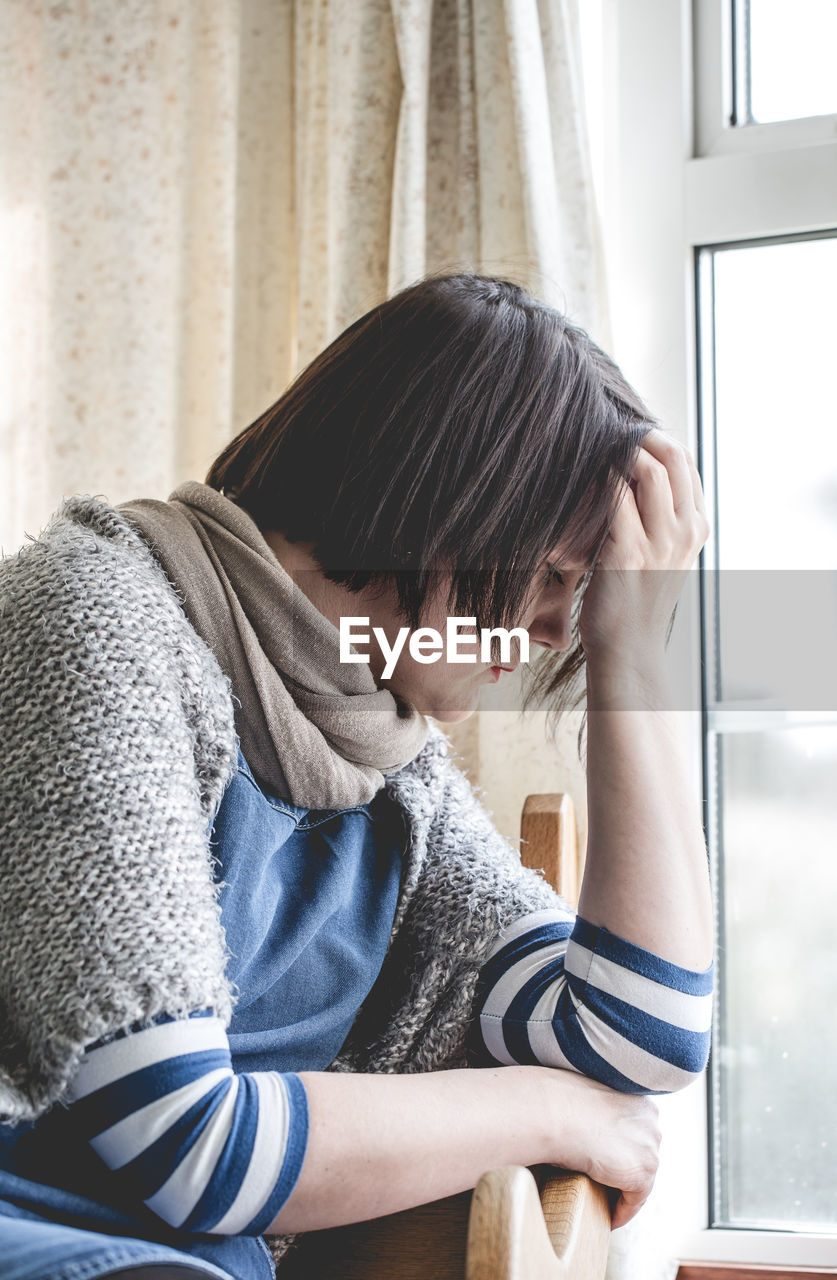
(314, 731)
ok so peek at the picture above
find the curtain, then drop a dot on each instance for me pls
(196, 198)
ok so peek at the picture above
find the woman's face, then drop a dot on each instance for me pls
(447, 691)
(450, 691)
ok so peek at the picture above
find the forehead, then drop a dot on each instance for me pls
(579, 546)
(572, 559)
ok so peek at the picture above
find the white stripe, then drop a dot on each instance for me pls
(645, 1069)
(109, 1062)
(183, 1189)
(268, 1155)
(510, 982)
(492, 1035)
(534, 920)
(127, 1138)
(542, 1035)
(542, 1038)
(692, 1013)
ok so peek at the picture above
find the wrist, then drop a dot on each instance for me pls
(562, 1102)
(627, 681)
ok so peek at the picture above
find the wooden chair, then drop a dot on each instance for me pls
(517, 1224)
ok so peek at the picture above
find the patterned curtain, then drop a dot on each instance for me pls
(197, 197)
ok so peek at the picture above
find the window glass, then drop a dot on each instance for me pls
(769, 428)
(776, 414)
(775, 334)
(786, 58)
(776, 1139)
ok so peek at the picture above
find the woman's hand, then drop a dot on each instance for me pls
(656, 535)
(613, 1137)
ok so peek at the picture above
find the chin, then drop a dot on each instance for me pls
(449, 716)
(446, 710)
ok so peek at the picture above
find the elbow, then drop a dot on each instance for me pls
(255, 1162)
(205, 1221)
(638, 1053)
(660, 1048)
(228, 1164)
(696, 1057)
(214, 1212)
(667, 1068)
(692, 1061)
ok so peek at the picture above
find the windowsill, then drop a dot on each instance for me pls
(747, 1271)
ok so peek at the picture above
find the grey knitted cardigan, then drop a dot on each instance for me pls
(116, 743)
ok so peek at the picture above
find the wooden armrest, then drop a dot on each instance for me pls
(518, 1224)
(559, 1231)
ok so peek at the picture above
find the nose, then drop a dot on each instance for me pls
(552, 629)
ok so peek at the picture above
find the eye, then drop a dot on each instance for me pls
(552, 572)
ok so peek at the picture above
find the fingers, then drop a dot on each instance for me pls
(697, 487)
(676, 461)
(655, 496)
(637, 1181)
(635, 1189)
(627, 1206)
(669, 494)
(627, 526)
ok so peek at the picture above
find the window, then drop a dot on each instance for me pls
(769, 436)
(720, 225)
(783, 60)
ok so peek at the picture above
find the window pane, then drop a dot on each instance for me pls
(769, 337)
(775, 334)
(776, 423)
(776, 1141)
(792, 50)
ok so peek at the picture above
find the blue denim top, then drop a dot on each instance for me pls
(308, 902)
(308, 899)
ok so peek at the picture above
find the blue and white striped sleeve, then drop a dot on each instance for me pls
(206, 1149)
(558, 991)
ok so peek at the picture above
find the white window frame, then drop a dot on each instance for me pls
(675, 178)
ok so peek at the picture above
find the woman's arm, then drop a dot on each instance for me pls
(206, 1149)
(646, 876)
(382, 1143)
(117, 740)
(564, 993)
(623, 991)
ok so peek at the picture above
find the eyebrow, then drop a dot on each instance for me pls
(559, 567)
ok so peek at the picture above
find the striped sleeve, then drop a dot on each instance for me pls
(557, 991)
(206, 1149)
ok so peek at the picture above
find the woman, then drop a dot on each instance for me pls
(232, 860)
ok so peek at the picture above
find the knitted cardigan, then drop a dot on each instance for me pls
(116, 743)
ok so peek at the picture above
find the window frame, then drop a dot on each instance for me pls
(678, 178)
(716, 25)
(723, 716)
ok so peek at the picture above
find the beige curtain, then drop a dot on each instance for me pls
(197, 197)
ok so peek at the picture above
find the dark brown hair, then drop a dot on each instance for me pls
(460, 426)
